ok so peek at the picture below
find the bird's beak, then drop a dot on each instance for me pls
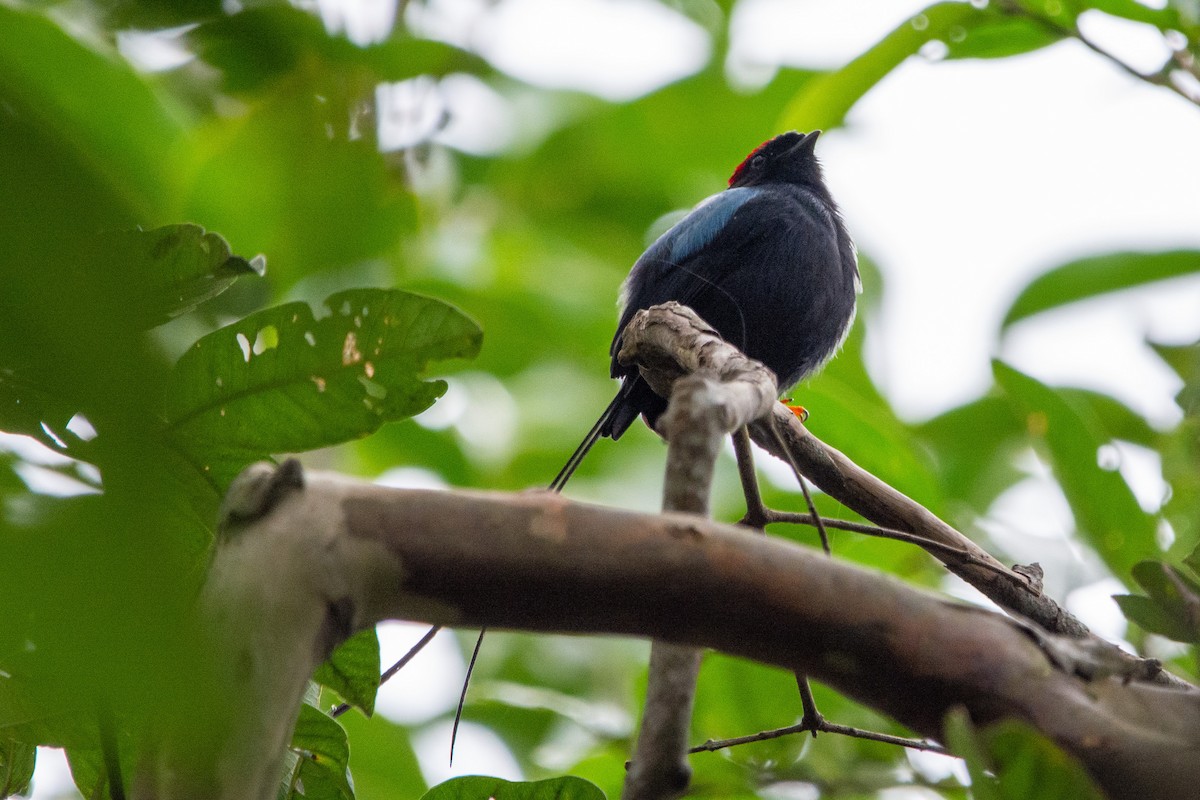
(806, 144)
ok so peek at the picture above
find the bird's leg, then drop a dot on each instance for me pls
(756, 512)
(812, 508)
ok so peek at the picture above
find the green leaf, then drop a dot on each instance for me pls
(1009, 760)
(1097, 275)
(823, 102)
(481, 787)
(1106, 512)
(1030, 765)
(293, 178)
(1153, 617)
(965, 743)
(263, 44)
(353, 670)
(1165, 582)
(282, 380)
(1193, 561)
(324, 753)
(17, 760)
(1116, 419)
(1173, 607)
(999, 37)
(116, 130)
(971, 446)
(1185, 361)
(168, 271)
(384, 764)
(1162, 18)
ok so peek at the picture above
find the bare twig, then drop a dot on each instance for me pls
(965, 556)
(712, 745)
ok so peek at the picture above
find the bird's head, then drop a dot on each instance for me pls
(788, 158)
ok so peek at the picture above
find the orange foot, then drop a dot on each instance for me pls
(800, 411)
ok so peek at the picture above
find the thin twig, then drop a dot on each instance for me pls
(812, 718)
(712, 745)
(756, 512)
(887, 533)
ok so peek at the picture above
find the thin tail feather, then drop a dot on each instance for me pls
(462, 698)
(560, 480)
(564, 474)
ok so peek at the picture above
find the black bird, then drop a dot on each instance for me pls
(767, 262)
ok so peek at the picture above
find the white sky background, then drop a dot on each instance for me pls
(963, 180)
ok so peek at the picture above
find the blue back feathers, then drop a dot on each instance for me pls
(701, 226)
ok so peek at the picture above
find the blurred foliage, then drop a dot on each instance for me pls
(477, 786)
(151, 362)
(1011, 761)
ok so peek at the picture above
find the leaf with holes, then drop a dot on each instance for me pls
(284, 380)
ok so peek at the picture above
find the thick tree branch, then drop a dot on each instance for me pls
(539, 562)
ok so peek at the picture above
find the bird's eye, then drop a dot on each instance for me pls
(757, 162)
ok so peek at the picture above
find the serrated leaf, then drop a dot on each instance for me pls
(170, 270)
(1098, 275)
(1106, 512)
(282, 380)
(481, 787)
(823, 102)
(353, 670)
